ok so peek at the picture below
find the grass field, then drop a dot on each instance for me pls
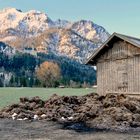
(12, 95)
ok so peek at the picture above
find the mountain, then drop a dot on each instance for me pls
(6, 49)
(25, 35)
(35, 32)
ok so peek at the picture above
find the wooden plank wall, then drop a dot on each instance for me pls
(118, 70)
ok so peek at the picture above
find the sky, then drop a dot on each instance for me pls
(121, 16)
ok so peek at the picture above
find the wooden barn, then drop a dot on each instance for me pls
(118, 65)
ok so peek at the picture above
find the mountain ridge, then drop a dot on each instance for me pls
(34, 32)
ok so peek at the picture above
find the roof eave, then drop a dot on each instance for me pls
(105, 44)
(98, 50)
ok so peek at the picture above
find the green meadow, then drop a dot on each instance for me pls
(12, 95)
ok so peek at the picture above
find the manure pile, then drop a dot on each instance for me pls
(109, 112)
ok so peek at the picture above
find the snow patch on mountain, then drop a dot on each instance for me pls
(27, 24)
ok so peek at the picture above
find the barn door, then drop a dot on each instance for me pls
(122, 75)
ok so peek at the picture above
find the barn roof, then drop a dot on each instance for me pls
(132, 40)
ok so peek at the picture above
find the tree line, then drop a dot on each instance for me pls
(26, 71)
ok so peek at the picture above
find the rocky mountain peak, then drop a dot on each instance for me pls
(90, 30)
(36, 32)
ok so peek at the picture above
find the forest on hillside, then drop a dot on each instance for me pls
(19, 70)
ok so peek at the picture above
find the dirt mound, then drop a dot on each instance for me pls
(110, 111)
